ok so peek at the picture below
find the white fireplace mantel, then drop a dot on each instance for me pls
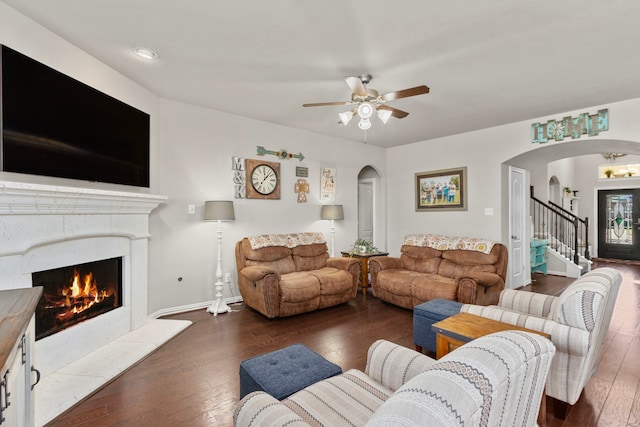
(18, 198)
(46, 226)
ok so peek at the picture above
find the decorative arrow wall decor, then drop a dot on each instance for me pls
(282, 154)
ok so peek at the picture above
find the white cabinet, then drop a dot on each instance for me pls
(17, 375)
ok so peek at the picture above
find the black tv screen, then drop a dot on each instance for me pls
(54, 125)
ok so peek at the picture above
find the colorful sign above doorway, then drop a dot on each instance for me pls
(573, 127)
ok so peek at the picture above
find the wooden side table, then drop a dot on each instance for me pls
(461, 328)
(364, 266)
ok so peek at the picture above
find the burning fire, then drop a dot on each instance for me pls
(81, 294)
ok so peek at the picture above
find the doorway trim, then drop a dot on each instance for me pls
(519, 232)
(369, 173)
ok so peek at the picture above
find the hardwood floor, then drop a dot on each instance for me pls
(193, 379)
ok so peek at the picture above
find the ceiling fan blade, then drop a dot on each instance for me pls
(398, 114)
(356, 86)
(325, 104)
(418, 90)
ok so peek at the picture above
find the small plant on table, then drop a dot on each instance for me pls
(361, 246)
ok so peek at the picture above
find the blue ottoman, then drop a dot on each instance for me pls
(283, 372)
(425, 315)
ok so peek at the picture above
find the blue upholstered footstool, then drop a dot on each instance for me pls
(283, 372)
(425, 315)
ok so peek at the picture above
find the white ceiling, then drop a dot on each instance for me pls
(487, 62)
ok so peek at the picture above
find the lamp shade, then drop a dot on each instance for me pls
(332, 212)
(345, 117)
(219, 210)
(384, 115)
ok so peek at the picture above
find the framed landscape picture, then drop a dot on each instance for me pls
(441, 190)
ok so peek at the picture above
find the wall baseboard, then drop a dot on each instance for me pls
(190, 307)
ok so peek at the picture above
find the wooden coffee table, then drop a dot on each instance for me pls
(461, 328)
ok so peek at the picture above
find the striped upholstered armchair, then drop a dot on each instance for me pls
(496, 380)
(577, 321)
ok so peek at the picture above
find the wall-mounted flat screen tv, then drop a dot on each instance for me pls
(54, 125)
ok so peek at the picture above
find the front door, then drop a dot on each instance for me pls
(618, 226)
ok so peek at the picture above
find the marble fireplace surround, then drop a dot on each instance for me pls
(44, 227)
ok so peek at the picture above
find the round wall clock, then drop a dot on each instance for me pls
(263, 179)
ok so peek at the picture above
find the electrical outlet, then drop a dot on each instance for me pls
(227, 277)
(192, 209)
(488, 211)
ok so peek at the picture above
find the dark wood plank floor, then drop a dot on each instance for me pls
(193, 379)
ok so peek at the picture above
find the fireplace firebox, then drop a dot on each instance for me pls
(76, 293)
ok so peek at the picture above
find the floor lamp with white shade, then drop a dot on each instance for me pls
(332, 212)
(219, 210)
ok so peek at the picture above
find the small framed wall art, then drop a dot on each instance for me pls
(327, 184)
(302, 171)
(441, 190)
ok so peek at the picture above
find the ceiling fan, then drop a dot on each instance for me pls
(368, 100)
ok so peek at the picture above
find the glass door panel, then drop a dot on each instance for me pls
(618, 224)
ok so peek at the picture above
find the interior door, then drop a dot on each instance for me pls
(618, 225)
(518, 240)
(365, 210)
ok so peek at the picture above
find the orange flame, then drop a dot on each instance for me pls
(81, 294)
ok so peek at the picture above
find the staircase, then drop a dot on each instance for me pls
(567, 237)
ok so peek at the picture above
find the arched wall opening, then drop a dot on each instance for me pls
(574, 164)
(371, 212)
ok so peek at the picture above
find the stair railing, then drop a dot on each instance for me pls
(562, 228)
(583, 227)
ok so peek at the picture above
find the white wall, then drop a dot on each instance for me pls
(197, 146)
(483, 152)
(564, 170)
(192, 147)
(191, 150)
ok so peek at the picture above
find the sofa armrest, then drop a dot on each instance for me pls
(343, 263)
(255, 273)
(379, 263)
(527, 302)
(351, 266)
(393, 365)
(487, 279)
(260, 289)
(261, 409)
(567, 339)
(480, 288)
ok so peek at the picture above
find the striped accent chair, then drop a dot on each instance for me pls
(577, 321)
(496, 380)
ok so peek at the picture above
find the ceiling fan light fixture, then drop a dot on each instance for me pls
(384, 115)
(365, 110)
(345, 117)
(364, 124)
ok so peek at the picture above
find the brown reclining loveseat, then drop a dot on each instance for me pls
(468, 270)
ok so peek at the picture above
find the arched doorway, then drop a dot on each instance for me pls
(370, 207)
(580, 173)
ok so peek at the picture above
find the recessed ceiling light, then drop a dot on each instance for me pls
(145, 53)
